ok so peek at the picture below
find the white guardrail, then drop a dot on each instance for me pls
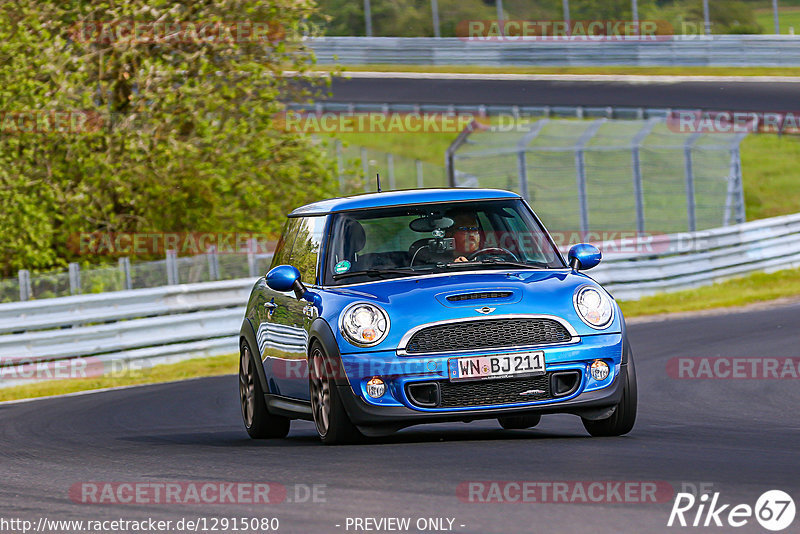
(108, 331)
(680, 50)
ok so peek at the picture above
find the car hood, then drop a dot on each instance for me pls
(415, 301)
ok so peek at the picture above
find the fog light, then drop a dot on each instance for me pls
(376, 388)
(599, 370)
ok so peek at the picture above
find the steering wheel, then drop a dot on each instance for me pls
(493, 251)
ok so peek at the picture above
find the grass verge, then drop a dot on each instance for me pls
(212, 366)
(758, 287)
(788, 17)
(607, 70)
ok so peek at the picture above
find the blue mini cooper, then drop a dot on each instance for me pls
(387, 310)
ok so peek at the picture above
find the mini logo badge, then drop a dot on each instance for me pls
(485, 310)
(534, 392)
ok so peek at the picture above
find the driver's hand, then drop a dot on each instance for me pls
(461, 259)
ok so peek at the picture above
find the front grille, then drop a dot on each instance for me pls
(481, 295)
(485, 392)
(487, 334)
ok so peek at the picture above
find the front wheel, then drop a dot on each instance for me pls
(259, 423)
(624, 416)
(330, 418)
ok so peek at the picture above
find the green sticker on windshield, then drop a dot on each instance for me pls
(341, 267)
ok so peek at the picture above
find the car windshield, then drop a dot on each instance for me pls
(379, 243)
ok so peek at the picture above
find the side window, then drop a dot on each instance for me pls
(284, 247)
(305, 251)
(528, 243)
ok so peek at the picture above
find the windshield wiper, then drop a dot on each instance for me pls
(377, 273)
(502, 263)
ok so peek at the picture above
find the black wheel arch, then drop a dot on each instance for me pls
(247, 333)
(321, 332)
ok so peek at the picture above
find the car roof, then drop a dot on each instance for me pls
(400, 198)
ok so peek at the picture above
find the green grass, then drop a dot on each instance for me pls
(771, 175)
(608, 70)
(429, 147)
(788, 17)
(758, 287)
(212, 366)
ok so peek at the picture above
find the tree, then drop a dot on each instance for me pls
(173, 109)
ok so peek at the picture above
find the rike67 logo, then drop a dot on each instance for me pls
(774, 510)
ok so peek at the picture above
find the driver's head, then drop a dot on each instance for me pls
(466, 231)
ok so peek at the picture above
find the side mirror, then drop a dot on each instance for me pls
(584, 256)
(283, 278)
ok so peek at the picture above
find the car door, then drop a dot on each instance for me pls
(286, 319)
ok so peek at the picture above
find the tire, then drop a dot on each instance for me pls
(330, 418)
(259, 423)
(519, 422)
(624, 416)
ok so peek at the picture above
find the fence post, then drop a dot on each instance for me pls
(25, 292)
(340, 165)
(435, 9)
(125, 267)
(213, 263)
(390, 170)
(691, 208)
(638, 189)
(365, 167)
(735, 197)
(522, 158)
(580, 166)
(368, 18)
(172, 268)
(252, 260)
(450, 153)
(74, 279)
(420, 179)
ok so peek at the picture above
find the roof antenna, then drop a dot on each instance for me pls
(379, 182)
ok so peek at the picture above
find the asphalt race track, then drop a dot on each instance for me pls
(741, 436)
(716, 95)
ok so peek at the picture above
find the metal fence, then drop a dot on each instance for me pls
(104, 334)
(397, 172)
(683, 261)
(607, 175)
(128, 275)
(680, 50)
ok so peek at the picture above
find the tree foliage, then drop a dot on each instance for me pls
(181, 133)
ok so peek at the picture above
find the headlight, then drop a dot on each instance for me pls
(593, 307)
(364, 324)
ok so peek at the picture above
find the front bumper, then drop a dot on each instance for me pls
(395, 409)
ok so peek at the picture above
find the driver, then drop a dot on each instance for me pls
(466, 233)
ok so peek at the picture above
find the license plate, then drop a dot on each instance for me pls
(496, 366)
